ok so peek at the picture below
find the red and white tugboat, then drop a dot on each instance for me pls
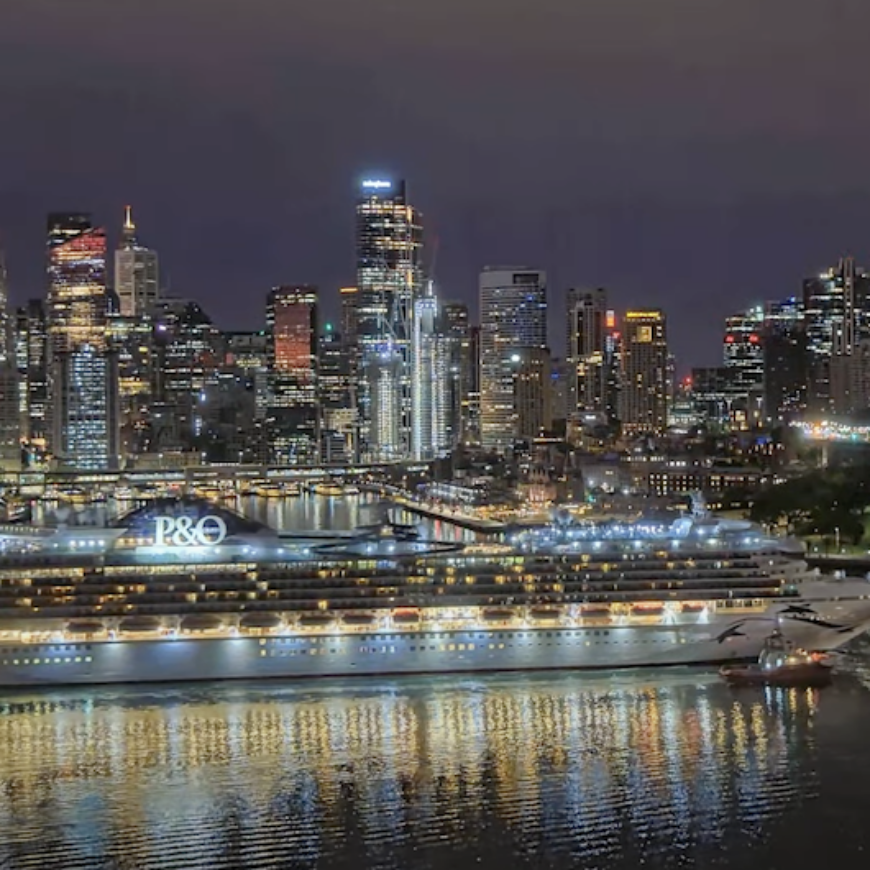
(781, 664)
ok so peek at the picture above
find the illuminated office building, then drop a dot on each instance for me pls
(837, 324)
(85, 434)
(743, 359)
(292, 423)
(533, 393)
(456, 333)
(785, 360)
(131, 339)
(591, 356)
(77, 301)
(513, 315)
(335, 389)
(389, 240)
(31, 351)
(430, 361)
(10, 420)
(137, 274)
(644, 388)
(189, 351)
(81, 437)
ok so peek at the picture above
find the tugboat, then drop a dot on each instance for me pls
(781, 664)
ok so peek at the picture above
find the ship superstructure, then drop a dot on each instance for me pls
(185, 589)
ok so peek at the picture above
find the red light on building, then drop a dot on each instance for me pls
(753, 339)
(729, 339)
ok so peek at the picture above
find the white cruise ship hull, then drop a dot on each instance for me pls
(380, 652)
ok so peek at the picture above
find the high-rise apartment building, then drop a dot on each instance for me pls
(137, 272)
(292, 423)
(335, 387)
(644, 388)
(389, 241)
(82, 436)
(513, 320)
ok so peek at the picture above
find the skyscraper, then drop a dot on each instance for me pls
(533, 394)
(137, 275)
(389, 241)
(85, 415)
(77, 301)
(513, 319)
(334, 389)
(588, 355)
(31, 350)
(836, 320)
(430, 380)
(82, 407)
(644, 389)
(10, 421)
(743, 359)
(292, 423)
(456, 331)
(785, 360)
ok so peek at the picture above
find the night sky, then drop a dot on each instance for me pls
(694, 154)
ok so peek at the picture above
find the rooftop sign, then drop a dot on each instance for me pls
(376, 184)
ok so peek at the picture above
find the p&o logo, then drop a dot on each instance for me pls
(185, 532)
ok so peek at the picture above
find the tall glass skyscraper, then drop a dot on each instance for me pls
(137, 273)
(292, 422)
(430, 360)
(77, 302)
(389, 241)
(84, 427)
(513, 319)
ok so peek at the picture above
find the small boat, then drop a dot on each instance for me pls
(328, 489)
(781, 664)
(350, 489)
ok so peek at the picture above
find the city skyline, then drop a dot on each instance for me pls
(595, 166)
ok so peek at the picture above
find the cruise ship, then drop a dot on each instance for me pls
(183, 589)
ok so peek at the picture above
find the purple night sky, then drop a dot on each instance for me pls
(695, 154)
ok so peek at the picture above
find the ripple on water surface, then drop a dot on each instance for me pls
(604, 771)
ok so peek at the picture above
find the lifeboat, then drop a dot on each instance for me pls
(498, 614)
(693, 606)
(544, 614)
(85, 626)
(595, 611)
(406, 616)
(358, 618)
(314, 620)
(260, 621)
(140, 625)
(653, 608)
(202, 622)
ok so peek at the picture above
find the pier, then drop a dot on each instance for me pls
(464, 521)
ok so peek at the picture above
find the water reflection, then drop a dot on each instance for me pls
(393, 773)
(305, 512)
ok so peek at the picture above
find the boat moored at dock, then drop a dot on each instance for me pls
(185, 589)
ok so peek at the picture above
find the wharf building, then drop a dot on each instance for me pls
(513, 323)
(389, 242)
